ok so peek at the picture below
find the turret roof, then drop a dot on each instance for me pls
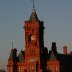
(52, 56)
(21, 56)
(33, 16)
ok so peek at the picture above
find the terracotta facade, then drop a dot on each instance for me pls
(35, 57)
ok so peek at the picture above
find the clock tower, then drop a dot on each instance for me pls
(34, 43)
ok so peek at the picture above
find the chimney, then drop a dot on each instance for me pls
(54, 48)
(65, 50)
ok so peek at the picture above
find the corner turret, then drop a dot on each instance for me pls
(12, 61)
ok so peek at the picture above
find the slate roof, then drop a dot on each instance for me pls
(64, 59)
(52, 57)
(21, 56)
(33, 16)
(13, 54)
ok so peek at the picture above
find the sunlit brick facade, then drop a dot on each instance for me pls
(35, 57)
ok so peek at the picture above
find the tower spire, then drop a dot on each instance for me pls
(33, 4)
(33, 16)
(12, 45)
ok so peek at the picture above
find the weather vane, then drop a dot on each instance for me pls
(33, 3)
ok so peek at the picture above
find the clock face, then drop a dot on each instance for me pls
(33, 37)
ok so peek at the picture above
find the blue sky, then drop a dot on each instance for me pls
(57, 17)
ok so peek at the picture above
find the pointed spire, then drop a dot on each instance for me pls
(13, 54)
(12, 45)
(33, 16)
(33, 4)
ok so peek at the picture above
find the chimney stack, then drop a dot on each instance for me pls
(54, 48)
(65, 50)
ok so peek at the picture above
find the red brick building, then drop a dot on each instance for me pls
(35, 57)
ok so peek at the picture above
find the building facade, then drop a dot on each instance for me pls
(35, 57)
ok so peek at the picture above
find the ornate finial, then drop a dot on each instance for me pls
(33, 4)
(12, 45)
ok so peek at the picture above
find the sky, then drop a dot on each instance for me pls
(57, 17)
